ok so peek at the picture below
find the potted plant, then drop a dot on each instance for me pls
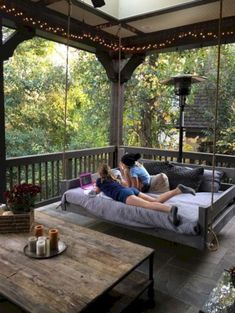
(21, 198)
(231, 271)
(20, 202)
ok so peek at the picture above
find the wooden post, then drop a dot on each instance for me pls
(6, 51)
(118, 80)
(116, 114)
(2, 126)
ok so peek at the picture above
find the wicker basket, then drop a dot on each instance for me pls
(17, 223)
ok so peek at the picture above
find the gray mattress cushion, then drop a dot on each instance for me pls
(207, 180)
(118, 212)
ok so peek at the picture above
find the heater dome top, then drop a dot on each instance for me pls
(183, 77)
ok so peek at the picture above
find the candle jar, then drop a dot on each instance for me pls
(32, 243)
(42, 238)
(41, 247)
(53, 237)
(38, 230)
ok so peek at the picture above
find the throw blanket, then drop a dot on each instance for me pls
(118, 212)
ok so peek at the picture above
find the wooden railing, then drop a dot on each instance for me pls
(221, 160)
(47, 170)
(225, 163)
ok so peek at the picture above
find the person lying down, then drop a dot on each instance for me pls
(113, 188)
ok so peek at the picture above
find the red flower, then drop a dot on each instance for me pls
(22, 197)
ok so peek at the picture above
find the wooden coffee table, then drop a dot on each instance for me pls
(96, 271)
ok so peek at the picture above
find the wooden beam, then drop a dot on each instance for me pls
(10, 44)
(194, 35)
(107, 61)
(47, 2)
(90, 38)
(2, 127)
(54, 24)
(112, 67)
(110, 63)
(130, 66)
(123, 25)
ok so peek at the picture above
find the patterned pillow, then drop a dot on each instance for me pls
(206, 184)
(185, 175)
(157, 167)
(159, 183)
(176, 174)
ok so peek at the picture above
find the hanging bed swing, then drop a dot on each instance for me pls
(202, 216)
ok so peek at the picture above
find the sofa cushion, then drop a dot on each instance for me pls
(187, 176)
(206, 183)
(157, 167)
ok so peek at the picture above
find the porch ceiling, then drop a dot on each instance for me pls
(140, 26)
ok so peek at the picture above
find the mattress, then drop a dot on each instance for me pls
(118, 212)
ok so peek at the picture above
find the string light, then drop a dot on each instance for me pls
(30, 21)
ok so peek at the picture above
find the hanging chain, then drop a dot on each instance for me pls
(119, 81)
(215, 246)
(66, 89)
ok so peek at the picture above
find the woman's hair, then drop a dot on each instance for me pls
(129, 159)
(106, 173)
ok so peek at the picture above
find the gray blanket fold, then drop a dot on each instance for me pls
(118, 212)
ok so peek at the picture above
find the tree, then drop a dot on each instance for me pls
(35, 99)
(151, 109)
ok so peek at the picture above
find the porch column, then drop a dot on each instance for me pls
(7, 48)
(116, 114)
(2, 127)
(118, 80)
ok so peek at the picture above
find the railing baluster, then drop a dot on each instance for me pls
(75, 168)
(46, 178)
(33, 174)
(30, 168)
(26, 174)
(40, 178)
(58, 176)
(52, 179)
(19, 175)
(11, 182)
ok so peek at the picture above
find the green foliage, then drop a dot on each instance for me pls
(35, 83)
(35, 101)
(151, 109)
(93, 105)
(148, 113)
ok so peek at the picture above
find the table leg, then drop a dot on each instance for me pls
(151, 286)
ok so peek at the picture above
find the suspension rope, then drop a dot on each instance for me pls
(213, 246)
(66, 89)
(119, 83)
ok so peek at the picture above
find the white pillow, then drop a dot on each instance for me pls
(159, 183)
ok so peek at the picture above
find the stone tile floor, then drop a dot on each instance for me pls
(184, 277)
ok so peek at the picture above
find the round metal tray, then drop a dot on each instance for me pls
(49, 254)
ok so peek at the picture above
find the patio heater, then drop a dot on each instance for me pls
(182, 87)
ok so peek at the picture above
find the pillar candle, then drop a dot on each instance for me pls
(41, 247)
(47, 243)
(32, 241)
(38, 230)
(48, 249)
(54, 237)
